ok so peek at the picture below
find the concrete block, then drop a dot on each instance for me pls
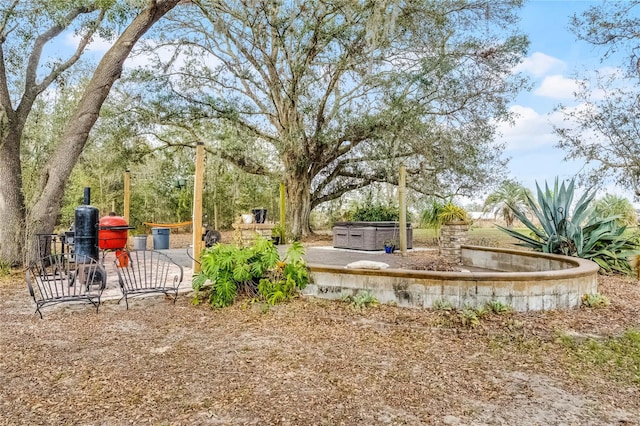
(429, 300)
(549, 302)
(482, 300)
(574, 300)
(535, 303)
(484, 289)
(503, 288)
(520, 303)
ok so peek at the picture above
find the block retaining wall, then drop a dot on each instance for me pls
(526, 281)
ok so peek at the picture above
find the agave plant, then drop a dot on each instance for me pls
(579, 232)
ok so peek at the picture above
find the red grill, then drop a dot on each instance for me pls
(112, 233)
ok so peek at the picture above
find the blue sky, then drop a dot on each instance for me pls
(555, 56)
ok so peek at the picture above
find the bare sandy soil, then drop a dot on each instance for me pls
(309, 362)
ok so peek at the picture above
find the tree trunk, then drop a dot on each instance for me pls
(42, 216)
(298, 188)
(12, 210)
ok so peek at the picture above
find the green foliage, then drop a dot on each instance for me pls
(5, 268)
(613, 205)
(289, 275)
(429, 217)
(468, 317)
(375, 212)
(278, 231)
(616, 356)
(509, 193)
(578, 232)
(595, 300)
(362, 300)
(442, 305)
(440, 213)
(498, 307)
(254, 269)
(452, 213)
(605, 130)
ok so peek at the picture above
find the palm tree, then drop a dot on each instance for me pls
(613, 205)
(510, 194)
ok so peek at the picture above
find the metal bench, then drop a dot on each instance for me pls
(63, 278)
(143, 272)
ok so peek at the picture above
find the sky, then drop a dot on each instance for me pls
(554, 58)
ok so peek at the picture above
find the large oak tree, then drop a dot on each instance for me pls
(27, 29)
(334, 94)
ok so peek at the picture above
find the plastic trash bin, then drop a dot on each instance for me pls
(160, 238)
(139, 242)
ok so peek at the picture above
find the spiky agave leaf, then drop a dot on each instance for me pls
(579, 233)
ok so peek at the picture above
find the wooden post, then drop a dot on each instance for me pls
(127, 194)
(282, 211)
(198, 183)
(215, 203)
(402, 195)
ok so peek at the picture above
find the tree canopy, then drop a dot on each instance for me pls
(332, 96)
(27, 69)
(604, 129)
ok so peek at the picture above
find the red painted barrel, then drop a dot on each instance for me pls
(112, 233)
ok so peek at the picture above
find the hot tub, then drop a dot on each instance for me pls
(368, 235)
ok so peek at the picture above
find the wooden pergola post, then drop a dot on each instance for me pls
(402, 202)
(198, 184)
(127, 194)
(282, 211)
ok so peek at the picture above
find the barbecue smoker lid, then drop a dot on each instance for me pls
(114, 223)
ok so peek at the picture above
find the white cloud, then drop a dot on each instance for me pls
(98, 45)
(539, 64)
(531, 146)
(530, 130)
(557, 87)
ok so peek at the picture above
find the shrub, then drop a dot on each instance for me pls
(578, 233)
(256, 271)
(468, 317)
(375, 213)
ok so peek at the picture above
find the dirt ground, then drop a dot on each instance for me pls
(309, 362)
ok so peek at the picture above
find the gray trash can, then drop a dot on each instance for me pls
(139, 242)
(160, 238)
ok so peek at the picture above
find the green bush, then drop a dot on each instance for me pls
(256, 271)
(375, 213)
(578, 232)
